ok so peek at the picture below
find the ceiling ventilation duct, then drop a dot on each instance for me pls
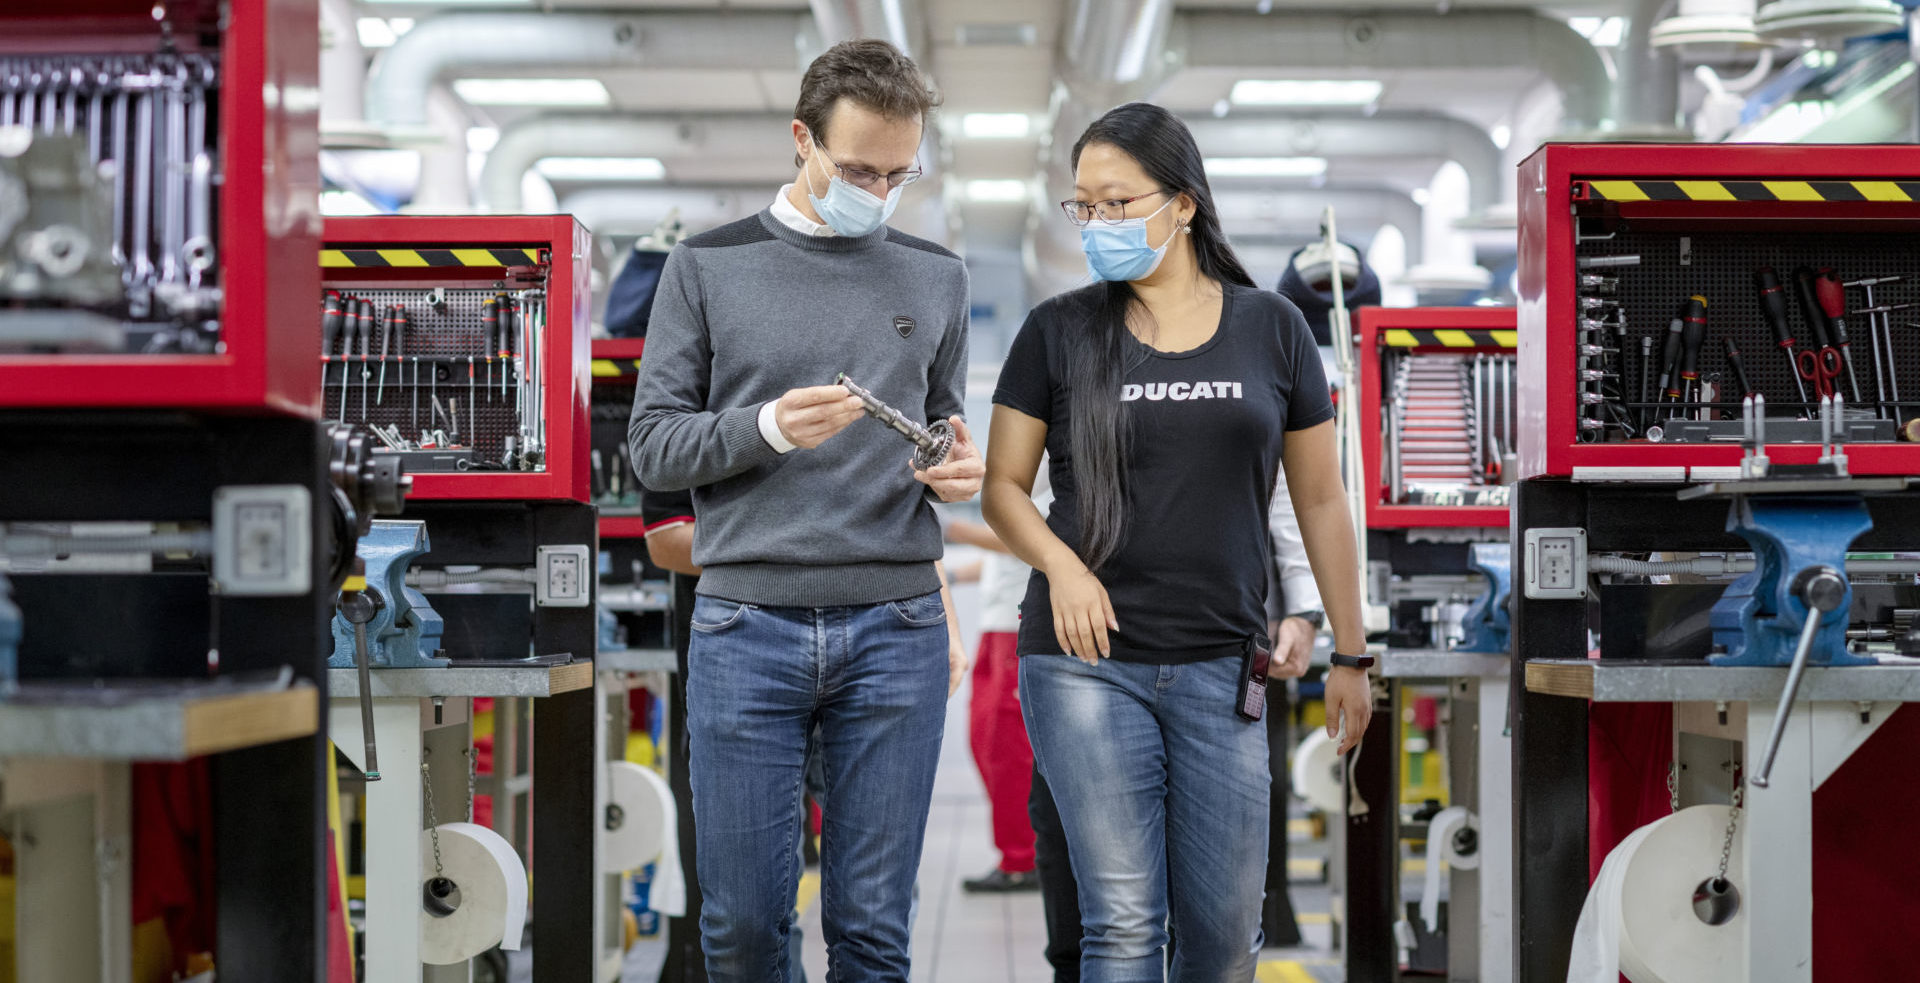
(1826, 22)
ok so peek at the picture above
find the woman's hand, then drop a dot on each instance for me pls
(957, 663)
(1349, 698)
(1082, 615)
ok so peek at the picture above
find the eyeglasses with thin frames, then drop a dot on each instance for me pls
(867, 180)
(1112, 211)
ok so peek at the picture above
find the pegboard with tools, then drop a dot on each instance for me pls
(1437, 421)
(1671, 286)
(439, 374)
(461, 343)
(156, 204)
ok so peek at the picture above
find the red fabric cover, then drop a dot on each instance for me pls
(1629, 746)
(173, 853)
(1864, 862)
(1000, 747)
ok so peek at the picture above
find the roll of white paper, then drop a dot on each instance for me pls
(1316, 772)
(1639, 920)
(1441, 849)
(492, 900)
(647, 831)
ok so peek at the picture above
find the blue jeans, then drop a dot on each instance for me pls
(1163, 792)
(758, 680)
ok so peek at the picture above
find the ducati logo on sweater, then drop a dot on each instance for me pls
(904, 325)
(1180, 391)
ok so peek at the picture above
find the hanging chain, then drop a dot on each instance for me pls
(1733, 820)
(473, 763)
(433, 821)
(1673, 785)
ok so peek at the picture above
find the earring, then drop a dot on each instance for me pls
(1188, 229)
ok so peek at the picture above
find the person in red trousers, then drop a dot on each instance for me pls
(997, 731)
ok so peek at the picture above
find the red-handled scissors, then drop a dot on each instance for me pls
(1819, 366)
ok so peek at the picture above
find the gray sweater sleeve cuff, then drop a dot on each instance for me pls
(740, 431)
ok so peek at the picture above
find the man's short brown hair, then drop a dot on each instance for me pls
(872, 73)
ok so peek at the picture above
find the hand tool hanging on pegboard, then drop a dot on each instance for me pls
(1773, 304)
(1831, 298)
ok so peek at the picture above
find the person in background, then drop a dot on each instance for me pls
(1168, 397)
(999, 735)
(1293, 636)
(820, 602)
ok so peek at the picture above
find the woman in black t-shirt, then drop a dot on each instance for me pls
(1166, 394)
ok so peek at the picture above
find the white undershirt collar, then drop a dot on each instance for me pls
(792, 218)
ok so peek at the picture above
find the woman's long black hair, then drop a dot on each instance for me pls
(1099, 349)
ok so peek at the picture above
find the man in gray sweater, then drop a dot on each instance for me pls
(819, 601)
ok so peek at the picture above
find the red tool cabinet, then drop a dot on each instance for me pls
(401, 259)
(1442, 337)
(267, 206)
(1703, 219)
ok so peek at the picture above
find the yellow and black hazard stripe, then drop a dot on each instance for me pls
(1877, 191)
(377, 258)
(1450, 338)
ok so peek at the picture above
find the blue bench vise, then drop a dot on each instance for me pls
(405, 632)
(1488, 624)
(1758, 621)
(10, 631)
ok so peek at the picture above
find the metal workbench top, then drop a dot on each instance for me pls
(1636, 681)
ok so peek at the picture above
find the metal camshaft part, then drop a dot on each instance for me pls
(932, 443)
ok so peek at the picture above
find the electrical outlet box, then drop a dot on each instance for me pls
(1556, 564)
(263, 540)
(565, 579)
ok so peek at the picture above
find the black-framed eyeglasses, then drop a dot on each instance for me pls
(867, 180)
(1112, 211)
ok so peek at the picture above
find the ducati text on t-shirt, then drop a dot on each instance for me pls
(1178, 391)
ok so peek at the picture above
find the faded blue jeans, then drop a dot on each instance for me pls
(758, 679)
(1163, 794)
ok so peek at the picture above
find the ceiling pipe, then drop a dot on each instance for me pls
(1383, 135)
(525, 143)
(1113, 51)
(901, 22)
(636, 210)
(443, 44)
(1402, 40)
(1289, 213)
(1646, 87)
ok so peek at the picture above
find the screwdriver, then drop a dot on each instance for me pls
(1832, 295)
(1646, 378)
(1739, 367)
(490, 328)
(509, 316)
(388, 326)
(1670, 357)
(1773, 303)
(1695, 332)
(331, 320)
(366, 343)
(350, 330)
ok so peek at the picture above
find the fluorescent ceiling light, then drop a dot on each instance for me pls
(1309, 92)
(995, 126)
(445, 3)
(532, 92)
(1005, 190)
(335, 202)
(1266, 166)
(601, 168)
(382, 32)
(1603, 32)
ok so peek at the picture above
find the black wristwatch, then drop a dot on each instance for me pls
(1351, 661)
(1316, 618)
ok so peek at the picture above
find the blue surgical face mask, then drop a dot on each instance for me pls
(1120, 251)
(847, 209)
